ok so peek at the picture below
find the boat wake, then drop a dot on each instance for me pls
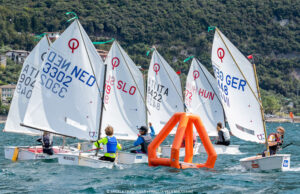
(297, 169)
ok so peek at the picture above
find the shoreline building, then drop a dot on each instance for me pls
(7, 91)
(17, 56)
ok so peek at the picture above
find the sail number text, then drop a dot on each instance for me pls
(58, 74)
(155, 93)
(228, 81)
(27, 80)
(121, 85)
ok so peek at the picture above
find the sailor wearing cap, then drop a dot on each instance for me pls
(144, 139)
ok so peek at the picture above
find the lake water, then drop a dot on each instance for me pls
(227, 176)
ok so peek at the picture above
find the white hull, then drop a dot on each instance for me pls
(274, 162)
(166, 150)
(84, 159)
(222, 149)
(132, 158)
(32, 152)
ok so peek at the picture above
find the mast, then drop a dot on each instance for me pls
(102, 102)
(102, 106)
(145, 94)
(261, 110)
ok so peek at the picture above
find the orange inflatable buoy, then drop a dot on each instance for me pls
(185, 128)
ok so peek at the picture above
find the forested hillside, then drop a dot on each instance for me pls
(270, 29)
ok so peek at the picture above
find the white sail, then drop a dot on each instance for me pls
(25, 85)
(238, 93)
(202, 97)
(124, 102)
(164, 94)
(66, 99)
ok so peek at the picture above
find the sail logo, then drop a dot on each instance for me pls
(196, 74)
(93, 134)
(156, 68)
(260, 137)
(73, 44)
(115, 62)
(221, 54)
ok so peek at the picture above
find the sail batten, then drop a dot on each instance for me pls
(238, 90)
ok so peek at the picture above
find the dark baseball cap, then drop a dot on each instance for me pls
(143, 128)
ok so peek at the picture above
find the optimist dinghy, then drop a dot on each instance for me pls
(202, 98)
(66, 99)
(239, 91)
(123, 98)
(20, 104)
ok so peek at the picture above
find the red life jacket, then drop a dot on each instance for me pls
(277, 137)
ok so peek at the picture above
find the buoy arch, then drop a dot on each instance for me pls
(185, 128)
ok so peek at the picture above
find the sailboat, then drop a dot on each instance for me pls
(20, 103)
(124, 110)
(202, 98)
(164, 97)
(125, 100)
(239, 91)
(67, 97)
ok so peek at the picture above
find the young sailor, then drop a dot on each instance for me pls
(144, 139)
(223, 135)
(110, 145)
(275, 140)
(47, 142)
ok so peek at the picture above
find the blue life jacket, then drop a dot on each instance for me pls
(111, 146)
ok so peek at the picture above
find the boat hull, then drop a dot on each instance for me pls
(274, 162)
(222, 149)
(84, 159)
(132, 158)
(32, 152)
(166, 150)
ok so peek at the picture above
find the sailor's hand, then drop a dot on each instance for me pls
(150, 124)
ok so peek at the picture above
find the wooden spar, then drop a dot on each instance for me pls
(212, 89)
(102, 106)
(49, 42)
(261, 111)
(39, 129)
(102, 102)
(145, 94)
